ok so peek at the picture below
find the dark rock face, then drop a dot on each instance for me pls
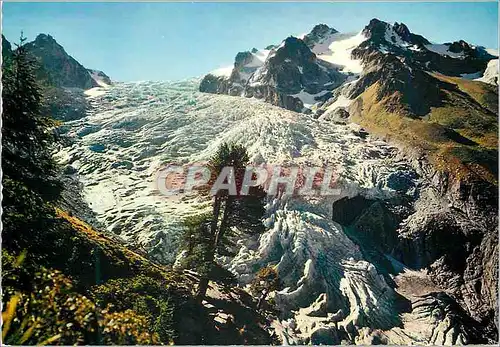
(272, 96)
(58, 68)
(289, 69)
(346, 210)
(243, 58)
(403, 31)
(214, 84)
(6, 49)
(460, 46)
(293, 67)
(317, 34)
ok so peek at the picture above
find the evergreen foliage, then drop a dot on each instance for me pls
(29, 172)
(232, 217)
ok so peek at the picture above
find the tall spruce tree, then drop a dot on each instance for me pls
(28, 169)
(232, 215)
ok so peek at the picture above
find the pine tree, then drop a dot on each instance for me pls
(29, 171)
(232, 215)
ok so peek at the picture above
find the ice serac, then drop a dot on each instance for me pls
(490, 75)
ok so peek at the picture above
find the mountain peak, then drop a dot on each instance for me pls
(295, 49)
(45, 38)
(402, 30)
(322, 29)
(57, 67)
(319, 33)
(375, 28)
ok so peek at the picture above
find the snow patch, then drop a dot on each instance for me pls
(443, 50)
(492, 51)
(339, 51)
(309, 99)
(490, 75)
(471, 76)
(222, 72)
(95, 92)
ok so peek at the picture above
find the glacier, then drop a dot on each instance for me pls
(334, 290)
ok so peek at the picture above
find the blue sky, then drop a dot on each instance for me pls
(168, 41)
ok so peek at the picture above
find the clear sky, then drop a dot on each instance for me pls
(169, 41)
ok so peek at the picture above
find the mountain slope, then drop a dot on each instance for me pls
(397, 218)
(56, 66)
(431, 102)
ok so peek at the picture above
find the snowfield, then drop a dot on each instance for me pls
(337, 49)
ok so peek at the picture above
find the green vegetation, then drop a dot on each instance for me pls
(266, 281)
(459, 136)
(43, 308)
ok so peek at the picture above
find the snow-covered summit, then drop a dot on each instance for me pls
(302, 73)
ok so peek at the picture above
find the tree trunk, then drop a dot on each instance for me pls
(202, 288)
(217, 234)
(223, 222)
(261, 300)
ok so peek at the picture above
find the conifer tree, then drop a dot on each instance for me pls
(232, 215)
(28, 169)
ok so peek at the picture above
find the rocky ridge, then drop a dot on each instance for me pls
(442, 232)
(62, 78)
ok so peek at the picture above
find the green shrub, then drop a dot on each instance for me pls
(147, 296)
(42, 308)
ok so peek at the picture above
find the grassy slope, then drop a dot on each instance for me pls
(193, 323)
(459, 136)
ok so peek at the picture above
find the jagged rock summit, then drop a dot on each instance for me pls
(300, 72)
(438, 104)
(55, 67)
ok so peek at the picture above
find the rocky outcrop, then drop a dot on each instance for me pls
(289, 75)
(319, 33)
(57, 67)
(293, 68)
(100, 78)
(274, 97)
(6, 49)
